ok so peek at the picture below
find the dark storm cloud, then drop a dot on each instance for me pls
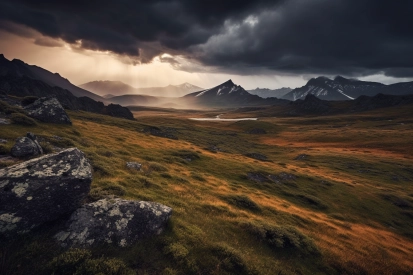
(350, 37)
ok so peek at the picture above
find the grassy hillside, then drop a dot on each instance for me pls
(333, 196)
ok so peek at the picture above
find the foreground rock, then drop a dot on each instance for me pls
(26, 147)
(48, 110)
(42, 189)
(116, 221)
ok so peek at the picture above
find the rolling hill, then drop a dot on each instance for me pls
(118, 88)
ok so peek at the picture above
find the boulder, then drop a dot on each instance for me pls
(48, 110)
(26, 147)
(42, 189)
(257, 156)
(134, 165)
(116, 221)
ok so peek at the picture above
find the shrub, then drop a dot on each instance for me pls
(8, 109)
(47, 147)
(242, 201)
(313, 201)
(282, 237)
(154, 166)
(79, 261)
(106, 192)
(197, 177)
(21, 119)
(27, 100)
(187, 155)
(223, 259)
(177, 251)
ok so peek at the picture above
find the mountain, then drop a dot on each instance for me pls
(264, 92)
(117, 88)
(341, 88)
(228, 95)
(19, 68)
(18, 80)
(103, 88)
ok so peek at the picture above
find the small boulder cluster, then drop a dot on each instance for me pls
(53, 187)
(27, 146)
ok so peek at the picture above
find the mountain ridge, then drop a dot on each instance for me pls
(341, 88)
(19, 68)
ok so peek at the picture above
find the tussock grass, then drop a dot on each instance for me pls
(22, 119)
(282, 237)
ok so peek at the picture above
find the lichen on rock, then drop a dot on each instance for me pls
(42, 189)
(116, 221)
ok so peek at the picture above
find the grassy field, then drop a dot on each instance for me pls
(334, 195)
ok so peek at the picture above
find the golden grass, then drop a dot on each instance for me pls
(357, 231)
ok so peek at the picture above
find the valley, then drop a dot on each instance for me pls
(279, 195)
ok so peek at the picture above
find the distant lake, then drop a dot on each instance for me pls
(217, 118)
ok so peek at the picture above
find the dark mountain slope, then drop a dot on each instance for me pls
(264, 92)
(18, 68)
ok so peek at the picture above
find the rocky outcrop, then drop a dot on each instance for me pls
(119, 111)
(42, 189)
(26, 147)
(48, 110)
(116, 221)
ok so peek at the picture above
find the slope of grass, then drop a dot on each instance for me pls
(345, 209)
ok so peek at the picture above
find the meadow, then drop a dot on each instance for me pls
(281, 195)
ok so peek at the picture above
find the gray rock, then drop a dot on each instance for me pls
(116, 221)
(4, 121)
(26, 147)
(257, 156)
(42, 189)
(48, 110)
(134, 165)
(301, 157)
(3, 140)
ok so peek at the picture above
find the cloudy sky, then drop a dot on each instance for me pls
(259, 43)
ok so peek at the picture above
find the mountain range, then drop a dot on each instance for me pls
(20, 79)
(228, 94)
(110, 89)
(341, 88)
